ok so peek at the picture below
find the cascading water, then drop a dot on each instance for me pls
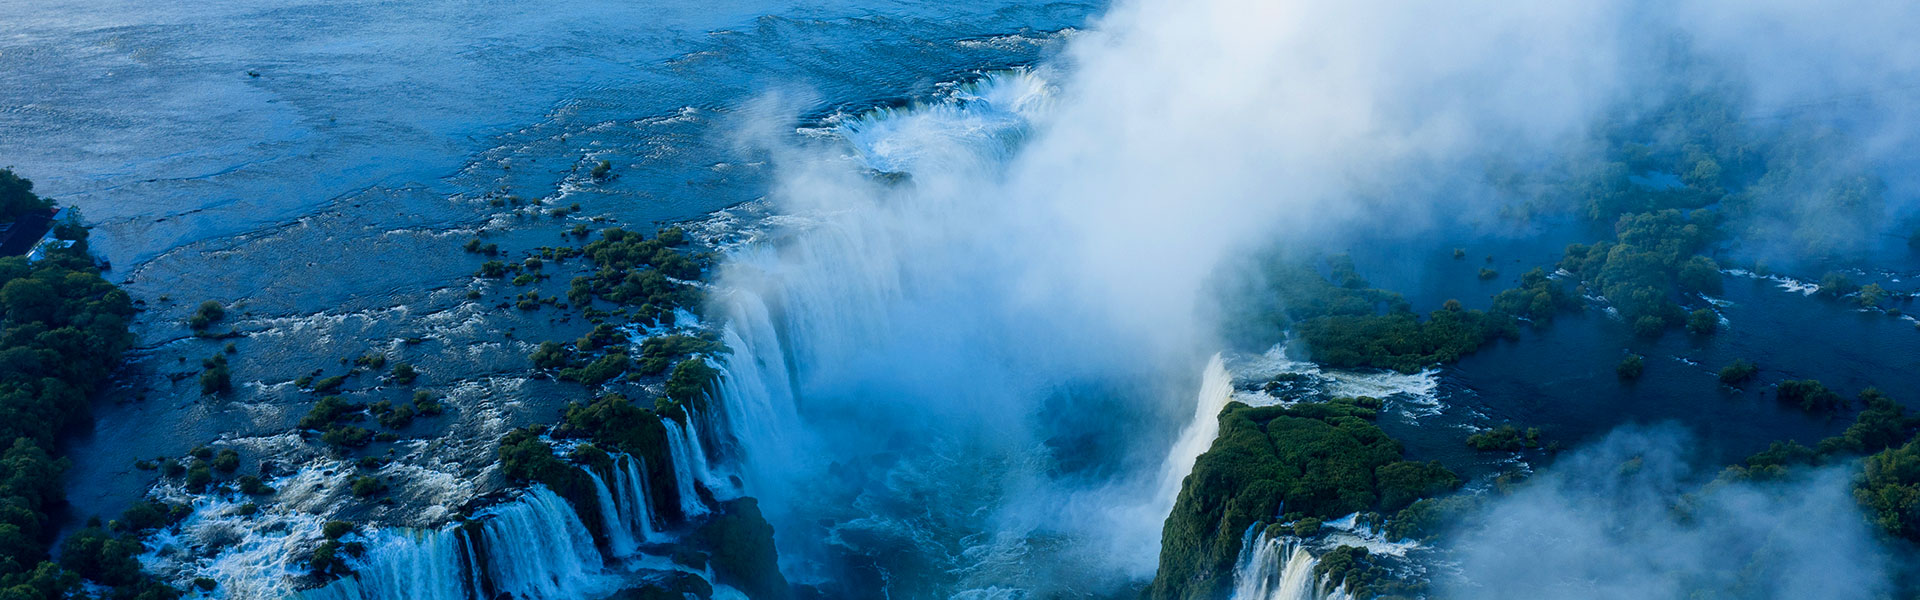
(537, 549)
(1279, 568)
(635, 509)
(680, 446)
(620, 540)
(407, 564)
(1216, 390)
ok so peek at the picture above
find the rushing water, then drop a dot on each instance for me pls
(326, 199)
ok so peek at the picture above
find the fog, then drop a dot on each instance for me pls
(1628, 517)
(993, 342)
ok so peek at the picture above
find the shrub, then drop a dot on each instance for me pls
(216, 379)
(1505, 438)
(206, 315)
(1630, 367)
(1809, 395)
(226, 461)
(367, 486)
(329, 410)
(1703, 321)
(404, 374)
(601, 169)
(1738, 372)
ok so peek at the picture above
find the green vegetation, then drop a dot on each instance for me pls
(63, 329)
(216, 379)
(1538, 298)
(525, 458)
(1640, 272)
(1703, 321)
(17, 197)
(1630, 367)
(1738, 372)
(1889, 487)
(1344, 323)
(635, 271)
(1322, 460)
(1505, 438)
(210, 312)
(404, 374)
(1810, 395)
(601, 169)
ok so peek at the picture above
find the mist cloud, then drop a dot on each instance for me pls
(1627, 518)
(1024, 288)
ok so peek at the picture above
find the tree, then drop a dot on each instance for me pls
(1703, 321)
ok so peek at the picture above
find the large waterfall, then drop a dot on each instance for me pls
(1279, 568)
(1216, 390)
(624, 505)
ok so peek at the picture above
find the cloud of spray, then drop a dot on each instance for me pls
(1023, 288)
(1628, 518)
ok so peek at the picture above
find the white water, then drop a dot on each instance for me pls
(620, 540)
(537, 549)
(1216, 390)
(684, 476)
(1278, 568)
(405, 564)
(635, 499)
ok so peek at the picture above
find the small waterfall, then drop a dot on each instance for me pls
(1279, 568)
(537, 549)
(1216, 389)
(405, 563)
(684, 475)
(619, 534)
(635, 506)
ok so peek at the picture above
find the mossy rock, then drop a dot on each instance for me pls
(741, 545)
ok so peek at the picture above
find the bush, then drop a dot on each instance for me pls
(599, 371)
(252, 486)
(550, 355)
(1505, 438)
(1809, 395)
(216, 379)
(1486, 273)
(601, 169)
(367, 486)
(347, 436)
(334, 530)
(1703, 322)
(330, 410)
(404, 374)
(329, 385)
(1738, 372)
(206, 315)
(226, 461)
(1630, 367)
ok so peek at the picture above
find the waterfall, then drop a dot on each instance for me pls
(406, 563)
(636, 504)
(754, 395)
(697, 454)
(1279, 568)
(537, 549)
(683, 473)
(619, 532)
(1216, 389)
